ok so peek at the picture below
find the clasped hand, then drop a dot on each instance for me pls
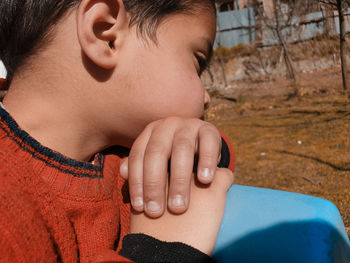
(146, 168)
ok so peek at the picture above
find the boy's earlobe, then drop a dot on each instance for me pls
(101, 26)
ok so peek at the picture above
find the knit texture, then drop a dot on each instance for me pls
(57, 209)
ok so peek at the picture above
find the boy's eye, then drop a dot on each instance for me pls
(202, 63)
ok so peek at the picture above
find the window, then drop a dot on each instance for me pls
(228, 6)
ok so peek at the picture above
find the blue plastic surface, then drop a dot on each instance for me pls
(263, 225)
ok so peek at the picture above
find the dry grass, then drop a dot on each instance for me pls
(300, 145)
(236, 51)
(319, 47)
(262, 64)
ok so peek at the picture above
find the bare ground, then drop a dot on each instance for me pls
(291, 143)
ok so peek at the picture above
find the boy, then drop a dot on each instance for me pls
(85, 76)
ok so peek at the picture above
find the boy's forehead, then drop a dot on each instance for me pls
(201, 24)
(199, 28)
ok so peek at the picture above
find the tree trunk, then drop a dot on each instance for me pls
(249, 23)
(343, 59)
(287, 60)
(223, 71)
(220, 58)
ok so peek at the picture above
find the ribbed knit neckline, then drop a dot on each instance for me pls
(49, 157)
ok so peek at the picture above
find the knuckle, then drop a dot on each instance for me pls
(170, 120)
(180, 183)
(183, 143)
(151, 125)
(135, 188)
(208, 157)
(153, 190)
(181, 172)
(135, 185)
(207, 125)
(210, 129)
(152, 185)
(134, 156)
(155, 149)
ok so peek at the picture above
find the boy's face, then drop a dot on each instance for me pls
(162, 80)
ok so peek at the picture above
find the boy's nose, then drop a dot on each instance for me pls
(206, 100)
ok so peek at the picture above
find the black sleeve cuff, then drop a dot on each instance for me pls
(225, 155)
(144, 248)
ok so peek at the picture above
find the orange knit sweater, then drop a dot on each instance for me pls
(54, 208)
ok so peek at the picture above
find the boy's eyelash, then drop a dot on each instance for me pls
(203, 64)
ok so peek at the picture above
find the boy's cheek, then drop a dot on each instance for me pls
(187, 106)
(182, 99)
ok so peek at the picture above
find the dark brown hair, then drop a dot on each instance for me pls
(24, 24)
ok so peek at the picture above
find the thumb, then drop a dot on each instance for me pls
(223, 178)
(124, 168)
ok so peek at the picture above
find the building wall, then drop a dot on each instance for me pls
(240, 27)
(230, 5)
(236, 27)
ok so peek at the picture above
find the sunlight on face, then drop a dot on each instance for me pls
(162, 79)
(174, 66)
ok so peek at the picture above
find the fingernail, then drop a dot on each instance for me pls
(178, 201)
(137, 202)
(153, 207)
(206, 174)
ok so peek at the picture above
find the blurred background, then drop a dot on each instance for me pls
(280, 89)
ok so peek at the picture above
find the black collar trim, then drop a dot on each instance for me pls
(50, 157)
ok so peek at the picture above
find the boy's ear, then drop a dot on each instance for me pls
(101, 27)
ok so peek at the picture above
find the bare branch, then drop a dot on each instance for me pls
(328, 2)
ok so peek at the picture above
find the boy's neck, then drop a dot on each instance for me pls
(55, 125)
(53, 102)
(68, 103)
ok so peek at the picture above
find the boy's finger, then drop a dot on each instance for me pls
(209, 151)
(123, 169)
(155, 169)
(223, 179)
(182, 158)
(135, 170)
